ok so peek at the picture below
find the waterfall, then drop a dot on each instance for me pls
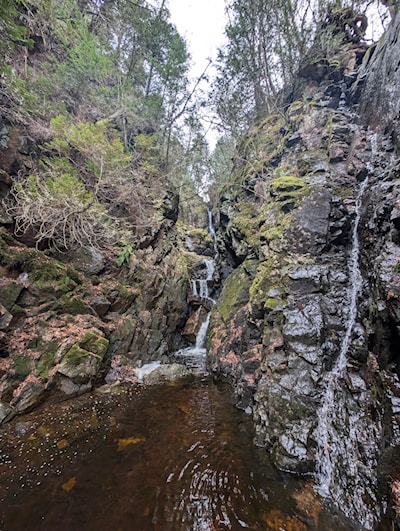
(195, 357)
(342, 426)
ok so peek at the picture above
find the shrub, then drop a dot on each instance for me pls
(59, 209)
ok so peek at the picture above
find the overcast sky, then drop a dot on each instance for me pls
(202, 23)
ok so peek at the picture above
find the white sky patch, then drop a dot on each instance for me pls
(202, 23)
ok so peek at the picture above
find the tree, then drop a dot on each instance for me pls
(266, 41)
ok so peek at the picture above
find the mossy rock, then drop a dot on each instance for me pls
(74, 306)
(9, 293)
(287, 183)
(267, 288)
(288, 191)
(94, 343)
(273, 221)
(201, 240)
(46, 273)
(297, 107)
(199, 233)
(45, 364)
(235, 292)
(80, 365)
(23, 365)
(264, 144)
(49, 275)
(274, 304)
(246, 224)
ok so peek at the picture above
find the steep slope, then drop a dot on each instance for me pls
(306, 326)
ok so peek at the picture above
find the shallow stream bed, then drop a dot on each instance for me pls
(168, 457)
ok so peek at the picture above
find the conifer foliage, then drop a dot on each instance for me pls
(100, 85)
(266, 43)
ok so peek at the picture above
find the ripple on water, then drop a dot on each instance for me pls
(172, 457)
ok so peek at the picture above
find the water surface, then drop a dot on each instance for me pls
(171, 457)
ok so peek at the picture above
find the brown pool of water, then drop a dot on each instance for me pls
(170, 457)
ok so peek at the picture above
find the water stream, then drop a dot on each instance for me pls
(342, 429)
(195, 356)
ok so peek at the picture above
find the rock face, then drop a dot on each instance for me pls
(285, 310)
(65, 325)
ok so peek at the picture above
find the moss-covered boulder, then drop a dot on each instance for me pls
(82, 361)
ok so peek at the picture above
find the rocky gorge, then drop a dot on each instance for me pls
(306, 326)
(306, 321)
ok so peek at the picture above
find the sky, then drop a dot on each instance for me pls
(202, 24)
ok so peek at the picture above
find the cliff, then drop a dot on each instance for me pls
(307, 324)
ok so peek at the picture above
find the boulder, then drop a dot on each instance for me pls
(164, 373)
(6, 412)
(82, 361)
(28, 395)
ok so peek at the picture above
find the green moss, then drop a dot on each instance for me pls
(267, 287)
(200, 236)
(75, 356)
(272, 304)
(46, 362)
(246, 221)
(19, 258)
(273, 233)
(295, 107)
(396, 267)
(22, 365)
(44, 271)
(264, 143)
(287, 183)
(235, 293)
(288, 191)
(94, 343)
(74, 306)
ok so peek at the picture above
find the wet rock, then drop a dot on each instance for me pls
(28, 395)
(164, 373)
(70, 388)
(123, 369)
(9, 292)
(100, 305)
(297, 302)
(193, 324)
(291, 451)
(6, 412)
(88, 260)
(305, 323)
(379, 80)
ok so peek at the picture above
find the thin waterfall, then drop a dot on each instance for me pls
(195, 356)
(330, 413)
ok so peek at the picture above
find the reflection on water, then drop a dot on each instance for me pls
(172, 457)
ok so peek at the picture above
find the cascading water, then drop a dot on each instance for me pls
(195, 357)
(200, 286)
(344, 434)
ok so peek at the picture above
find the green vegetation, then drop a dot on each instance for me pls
(266, 44)
(124, 254)
(235, 293)
(104, 86)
